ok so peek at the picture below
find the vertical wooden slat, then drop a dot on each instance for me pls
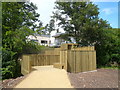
(83, 61)
(68, 62)
(94, 60)
(46, 60)
(25, 65)
(39, 60)
(90, 60)
(78, 61)
(66, 56)
(74, 61)
(71, 61)
(43, 60)
(87, 61)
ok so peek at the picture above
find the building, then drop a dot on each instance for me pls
(47, 40)
(41, 39)
(58, 40)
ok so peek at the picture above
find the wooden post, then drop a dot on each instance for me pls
(25, 64)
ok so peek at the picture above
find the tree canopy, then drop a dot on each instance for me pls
(81, 21)
(18, 22)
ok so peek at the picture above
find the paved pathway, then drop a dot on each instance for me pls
(46, 77)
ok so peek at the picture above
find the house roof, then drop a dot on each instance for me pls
(58, 34)
(42, 35)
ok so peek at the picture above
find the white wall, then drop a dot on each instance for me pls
(39, 38)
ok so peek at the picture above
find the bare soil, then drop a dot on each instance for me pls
(102, 78)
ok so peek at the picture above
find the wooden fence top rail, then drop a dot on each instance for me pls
(80, 50)
(40, 55)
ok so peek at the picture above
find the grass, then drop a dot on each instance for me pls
(110, 67)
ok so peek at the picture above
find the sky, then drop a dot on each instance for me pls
(108, 10)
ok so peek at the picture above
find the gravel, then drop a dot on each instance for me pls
(10, 83)
(102, 78)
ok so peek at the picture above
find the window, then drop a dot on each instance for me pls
(34, 40)
(43, 42)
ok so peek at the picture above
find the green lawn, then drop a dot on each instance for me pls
(108, 67)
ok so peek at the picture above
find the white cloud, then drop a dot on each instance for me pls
(107, 11)
(45, 8)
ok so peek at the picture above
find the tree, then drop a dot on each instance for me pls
(18, 21)
(50, 27)
(80, 20)
(113, 45)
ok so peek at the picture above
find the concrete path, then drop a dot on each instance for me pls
(46, 77)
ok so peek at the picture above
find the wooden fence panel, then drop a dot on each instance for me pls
(55, 51)
(90, 61)
(87, 61)
(73, 60)
(41, 60)
(81, 61)
(94, 61)
(51, 60)
(25, 65)
(66, 56)
(78, 61)
(63, 59)
(68, 62)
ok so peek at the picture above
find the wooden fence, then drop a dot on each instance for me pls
(78, 61)
(84, 48)
(71, 59)
(25, 65)
(42, 60)
(63, 59)
(55, 51)
(37, 60)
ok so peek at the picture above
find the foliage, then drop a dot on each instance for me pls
(109, 67)
(80, 20)
(32, 47)
(50, 27)
(18, 22)
(109, 52)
